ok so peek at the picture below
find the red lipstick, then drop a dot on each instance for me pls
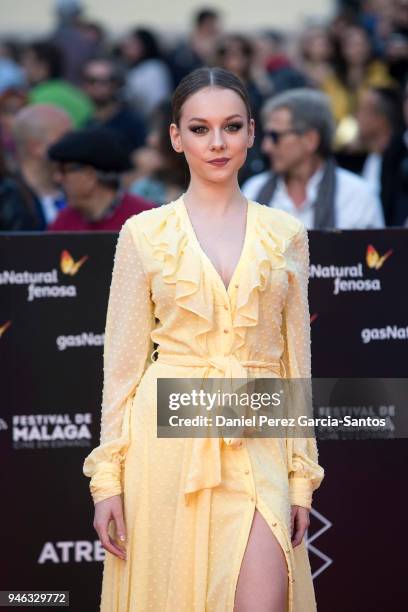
(219, 161)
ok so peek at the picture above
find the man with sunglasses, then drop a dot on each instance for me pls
(102, 81)
(304, 179)
(88, 165)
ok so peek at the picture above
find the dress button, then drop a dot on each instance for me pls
(226, 331)
(246, 471)
(225, 307)
(236, 286)
(252, 499)
(274, 524)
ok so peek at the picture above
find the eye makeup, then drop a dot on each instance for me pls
(197, 129)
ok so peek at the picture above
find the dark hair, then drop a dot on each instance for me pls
(151, 49)
(3, 166)
(275, 36)
(246, 47)
(243, 41)
(116, 69)
(339, 61)
(12, 49)
(207, 77)
(49, 54)
(390, 105)
(203, 15)
(174, 169)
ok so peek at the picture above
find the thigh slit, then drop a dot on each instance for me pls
(281, 537)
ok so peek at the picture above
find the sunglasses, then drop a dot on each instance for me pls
(99, 80)
(65, 167)
(275, 136)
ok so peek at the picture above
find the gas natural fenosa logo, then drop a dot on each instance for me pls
(3, 327)
(353, 278)
(68, 265)
(374, 259)
(46, 284)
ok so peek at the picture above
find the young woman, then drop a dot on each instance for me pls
(220, 284)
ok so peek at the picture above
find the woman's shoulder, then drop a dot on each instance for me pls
(279, 220)
(153, 221)
(151, 214)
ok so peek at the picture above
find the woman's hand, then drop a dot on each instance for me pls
(105, 511)
(299, 523)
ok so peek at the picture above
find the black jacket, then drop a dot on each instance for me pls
(20, 209)
(394, 179)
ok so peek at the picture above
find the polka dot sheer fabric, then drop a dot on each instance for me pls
(189, 502)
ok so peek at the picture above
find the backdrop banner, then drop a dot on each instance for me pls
(54, 289)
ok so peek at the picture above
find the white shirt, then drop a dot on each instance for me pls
(147, 85)
(372, 171)
(50, 210)
(356, 205)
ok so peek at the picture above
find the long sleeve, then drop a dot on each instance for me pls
(127, 346)
(304, 472)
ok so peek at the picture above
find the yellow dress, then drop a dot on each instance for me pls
(189, 502)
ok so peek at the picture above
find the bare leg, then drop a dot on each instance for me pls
(263, 578)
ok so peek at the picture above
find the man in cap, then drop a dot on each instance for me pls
(89, 164)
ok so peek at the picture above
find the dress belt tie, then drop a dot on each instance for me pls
(204, 467)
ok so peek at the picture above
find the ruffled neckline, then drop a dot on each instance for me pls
(250, 218)
(171, 236)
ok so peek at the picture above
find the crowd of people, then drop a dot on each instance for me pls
(84, 119)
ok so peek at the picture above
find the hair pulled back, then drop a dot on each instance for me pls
(207, 77)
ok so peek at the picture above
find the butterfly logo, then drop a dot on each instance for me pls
(4, 327)
(374, 259)
(69, 265)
